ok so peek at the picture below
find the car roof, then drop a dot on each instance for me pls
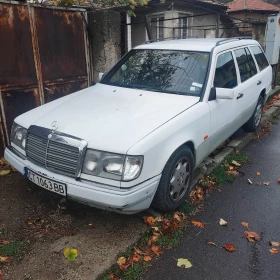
(197, 44)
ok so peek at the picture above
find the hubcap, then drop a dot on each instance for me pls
(180, 179)
(258, 114)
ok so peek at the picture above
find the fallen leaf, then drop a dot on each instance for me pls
(5, 259)
(229, 247)
(198, 224)
(233, 172)
(223, 222)
(279, 180)
(237, 151)
(273, 243)
(266, 183)
(4, 172)
(4, 242)
(211, 243)
(121, 261)
(250, 182)
(136, 257)
(274, 250)
(112, 276)
(149, 220)
(184, 263)
(138, 251)
(244, 224)
(234, 162)
(70, 254)
(156, 250)
(251, 236)
(258, 173)
(219, 190)
(153, 239)
(147, 258)
(177, 217)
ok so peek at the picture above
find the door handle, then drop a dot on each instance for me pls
(259, 82)
(240, 95)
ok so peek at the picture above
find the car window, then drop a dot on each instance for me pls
(260, 57)
(225, 75)
(243, 65)
(169, 71)
(251, 61)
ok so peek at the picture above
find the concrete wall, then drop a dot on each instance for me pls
(258, 33)
(104, 28)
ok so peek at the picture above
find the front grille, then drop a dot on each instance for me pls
(55, 153)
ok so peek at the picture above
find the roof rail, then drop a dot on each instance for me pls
(232, 39)
(170, 38)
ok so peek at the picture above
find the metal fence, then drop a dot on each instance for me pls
(43, 56)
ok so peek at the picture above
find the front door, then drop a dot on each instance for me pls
(226, 115)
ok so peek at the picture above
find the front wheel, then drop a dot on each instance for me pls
(175, 182)
(253, 123)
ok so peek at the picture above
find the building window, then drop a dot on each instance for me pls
(157, 26)
(183, 25)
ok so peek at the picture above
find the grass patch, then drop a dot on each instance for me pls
(219, 174)
(15, 249)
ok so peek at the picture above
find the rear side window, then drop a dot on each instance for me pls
(260, 57)
(251, 61)
(225, 75)
(243, 65)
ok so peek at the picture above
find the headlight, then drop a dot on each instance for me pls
(18, 136)
(112, 166)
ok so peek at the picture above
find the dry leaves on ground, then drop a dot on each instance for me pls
(250, 182)
(198, 224)
(184, 263)
(266, 183)
(223, 222)
(149, 220)
(234, 162)
(232, 172)
(5, 259)
(245, 224)
(274, 244)
(274, 250)
(258, 173)
(4, 172)
(4, 242)
(211, 243)
(229, 247)
(251, 236)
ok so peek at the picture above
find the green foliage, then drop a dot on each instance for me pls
(14, 249)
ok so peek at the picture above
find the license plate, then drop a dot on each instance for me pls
(45, 183)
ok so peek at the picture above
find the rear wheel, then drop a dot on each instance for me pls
(175, 182)
(253, 123)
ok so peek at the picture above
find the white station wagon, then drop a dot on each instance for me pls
(134, 139)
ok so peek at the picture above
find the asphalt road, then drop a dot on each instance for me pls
(259, 205)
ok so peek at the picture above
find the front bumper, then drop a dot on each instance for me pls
(128, 201)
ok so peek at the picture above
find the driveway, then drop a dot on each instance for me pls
(46, 226)
(256, 204)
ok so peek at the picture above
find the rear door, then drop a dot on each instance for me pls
(249, 81)
(265, 71)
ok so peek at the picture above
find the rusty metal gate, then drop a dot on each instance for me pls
(43, 56)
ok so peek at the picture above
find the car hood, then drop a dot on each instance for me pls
(109, 118)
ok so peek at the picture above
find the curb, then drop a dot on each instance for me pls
(238, 143)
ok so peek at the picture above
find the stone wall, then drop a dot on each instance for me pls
(104, 29)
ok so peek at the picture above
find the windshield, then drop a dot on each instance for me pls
(177, 72)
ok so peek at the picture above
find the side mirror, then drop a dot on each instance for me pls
(224, 93)
(100, 76)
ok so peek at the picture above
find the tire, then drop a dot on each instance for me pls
(179, 169)
(253, 123)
